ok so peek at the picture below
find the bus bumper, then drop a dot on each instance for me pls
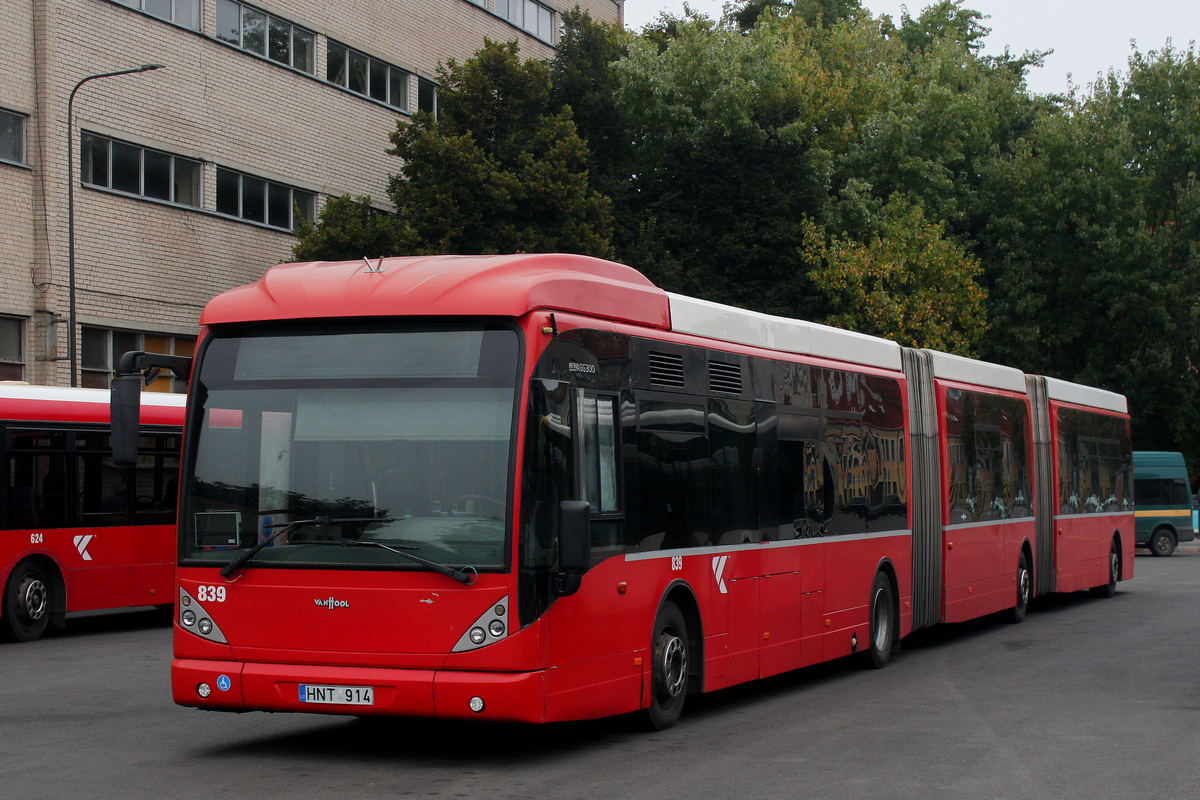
(448, 694)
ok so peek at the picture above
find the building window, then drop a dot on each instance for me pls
(531, 17)
(181, 12)
(266, 35)
(102, 348)
(123, 167)
(12, 350)
(427, 96)
(367, 76)
(12, 137)
(266, 202)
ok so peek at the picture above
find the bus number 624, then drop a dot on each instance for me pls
(36, 538)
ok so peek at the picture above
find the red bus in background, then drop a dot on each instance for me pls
(540, 488)
(76, 532)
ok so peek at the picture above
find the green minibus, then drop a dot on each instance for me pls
(1163, 501)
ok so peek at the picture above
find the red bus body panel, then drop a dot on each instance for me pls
(100, 567)
(1082, 541)
(762, 608)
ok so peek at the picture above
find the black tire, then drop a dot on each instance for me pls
(882, 623)
(1024, 590)
(669, 666)
(1162, 542)
(1114, 573)
(28, 599)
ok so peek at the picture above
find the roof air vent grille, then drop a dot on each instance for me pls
(666, 369)
(724, 377)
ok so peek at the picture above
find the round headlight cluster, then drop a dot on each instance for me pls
(189, 618)
(477, 635)
(205, 626)
(496, 628)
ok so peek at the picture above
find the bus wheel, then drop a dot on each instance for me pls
(668, 668)
(1114, 572)
(883, 627)
(27, 602)
(1162, 543)
(1024, 585)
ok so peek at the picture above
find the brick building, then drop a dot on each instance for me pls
(187, 178)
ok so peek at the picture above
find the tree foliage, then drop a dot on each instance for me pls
(908, 283)
(806, 158)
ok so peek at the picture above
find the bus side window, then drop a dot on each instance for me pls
(598, 468)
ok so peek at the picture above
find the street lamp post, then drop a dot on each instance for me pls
(71, 351)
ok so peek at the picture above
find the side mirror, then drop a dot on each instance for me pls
(574, 544)
(126, 406)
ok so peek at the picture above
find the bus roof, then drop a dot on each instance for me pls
(981, 373)
(1080, 395)
(19, 401)
(1157, 458)
(729, 324)
(497, 286)
(514, 285)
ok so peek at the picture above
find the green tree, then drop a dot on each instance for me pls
(349, 228)
(907, 283)
(498, 171)
(1093, 246)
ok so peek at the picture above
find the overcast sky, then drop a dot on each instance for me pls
(1088, 36)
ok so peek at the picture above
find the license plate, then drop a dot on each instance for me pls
(337, 695)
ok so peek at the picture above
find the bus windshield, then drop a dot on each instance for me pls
(400, 437)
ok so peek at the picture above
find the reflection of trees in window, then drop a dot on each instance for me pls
(1095, 463)
(987, 443)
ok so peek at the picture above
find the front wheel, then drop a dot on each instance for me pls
(1114, 573)
(883, 626)
(1162, 542)
(668, 668)
(1024, 589)
(27, 599)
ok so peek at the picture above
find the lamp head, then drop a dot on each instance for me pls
(148, 67)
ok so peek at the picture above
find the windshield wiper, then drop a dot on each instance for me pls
(240, 561)
(461, 575)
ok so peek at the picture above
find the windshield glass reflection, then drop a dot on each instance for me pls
(400, 438)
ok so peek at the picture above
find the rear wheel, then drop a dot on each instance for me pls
(668, 668)
(1162, 542)
(27, 602)
(1024, 588)
(1114, 573)
(883, 625)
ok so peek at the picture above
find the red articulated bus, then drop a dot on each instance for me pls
(539, 488)
(78, 533)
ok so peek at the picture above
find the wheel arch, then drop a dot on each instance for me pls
(683, 596)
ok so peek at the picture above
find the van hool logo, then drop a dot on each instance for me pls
(332, 603)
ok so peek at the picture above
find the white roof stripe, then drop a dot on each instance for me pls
(980, 373)
(1080, 395)
(64, 394)
(729, 324)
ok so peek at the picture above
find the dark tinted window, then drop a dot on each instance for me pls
(1160, 492)
(1094, 463)
(988, 439)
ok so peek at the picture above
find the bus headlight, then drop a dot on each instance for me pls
(193, 611)
(488, 629)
